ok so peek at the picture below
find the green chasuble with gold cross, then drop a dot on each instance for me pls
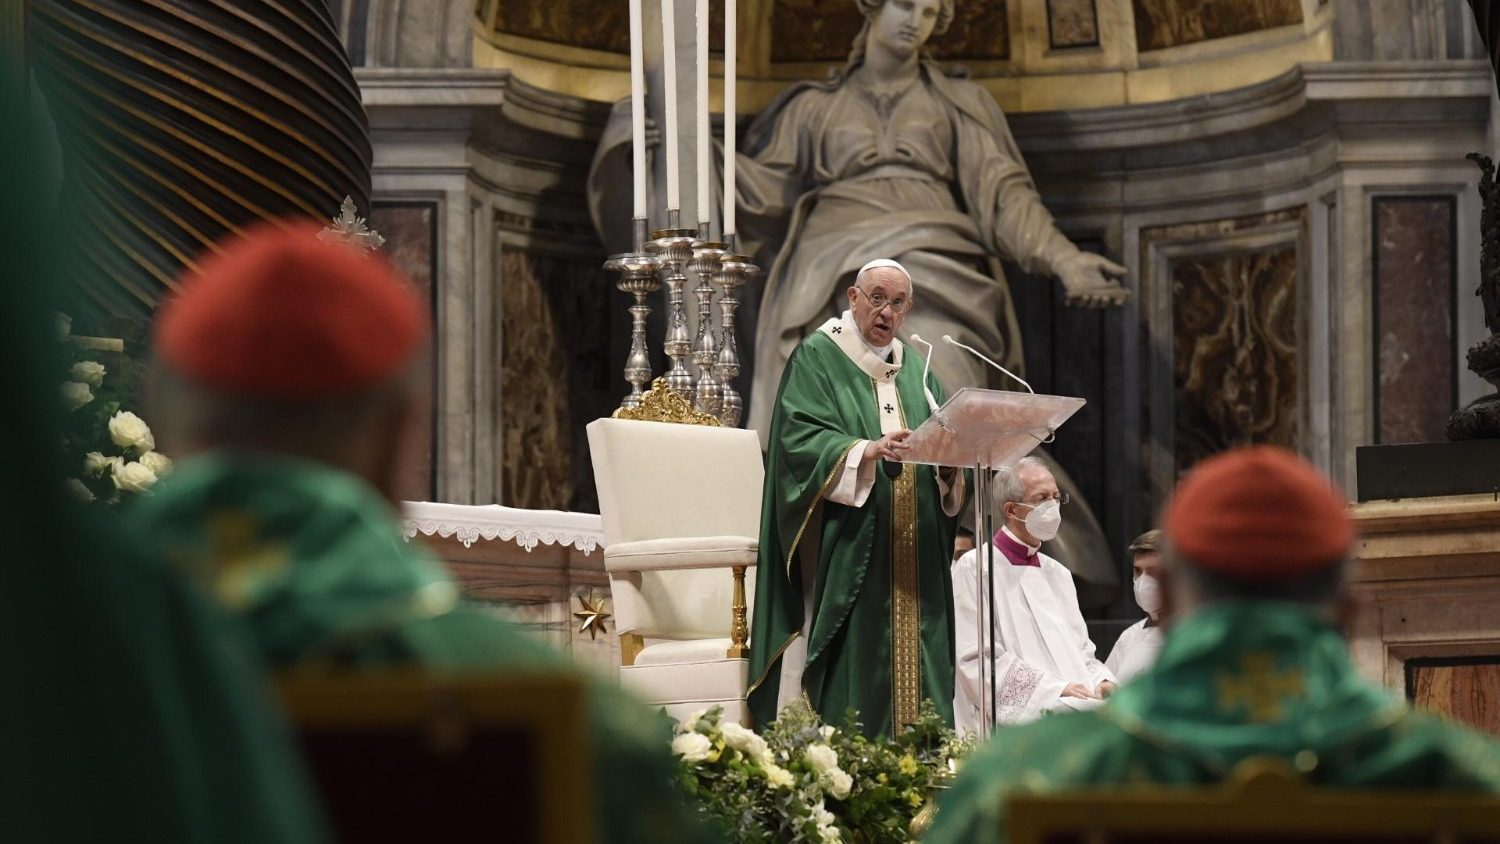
(1233, 681)
(854, 604)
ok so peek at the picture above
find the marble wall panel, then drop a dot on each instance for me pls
(554, 366)
(584, 23)
(819, 31)
(1466, 690)
(410, 232)
(1072, 23)
(1235, 352)
(1415, 364)
(1171, 23)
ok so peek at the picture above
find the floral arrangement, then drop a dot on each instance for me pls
(112, 449)
(805, 781)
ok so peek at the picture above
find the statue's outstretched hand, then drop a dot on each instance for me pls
(1086, 279)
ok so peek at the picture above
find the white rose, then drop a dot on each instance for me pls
(747, 742)
(829, 835)
(827, 732)
(130, 431)
(692, 747)
(822, 758)
(80, 491)
(76, 394)
(841, 784)
(157, 462)
(95, 463)
(133, 477)
(822, 817)
(89, 372)
(779, 777)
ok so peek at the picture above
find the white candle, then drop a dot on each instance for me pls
(703, 114)
(669, 72)
(638, 107)
(731, 58)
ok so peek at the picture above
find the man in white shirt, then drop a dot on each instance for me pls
(1043, 658)
(1135, 651)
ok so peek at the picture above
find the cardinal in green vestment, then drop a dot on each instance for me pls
(854, 603)
(1253, 665)
(289, 373)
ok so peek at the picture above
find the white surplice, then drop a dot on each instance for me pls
(1135, 650)
(1041, 641)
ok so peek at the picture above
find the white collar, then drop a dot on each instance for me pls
(845, 334)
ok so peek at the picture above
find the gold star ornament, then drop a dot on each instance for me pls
(592, 614)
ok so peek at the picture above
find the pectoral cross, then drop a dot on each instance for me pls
(349, 228)
(1258, 688)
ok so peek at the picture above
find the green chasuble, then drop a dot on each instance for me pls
(1232, 681)
(314, 561)
(858, 597)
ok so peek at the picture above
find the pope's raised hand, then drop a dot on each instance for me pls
(892, 447)
(1086, 279)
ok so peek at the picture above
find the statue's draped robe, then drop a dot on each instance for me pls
(853, 604)
(937, 184)
(1232, 681)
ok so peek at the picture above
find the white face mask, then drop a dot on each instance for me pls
(1043, 520)
(1148, 594)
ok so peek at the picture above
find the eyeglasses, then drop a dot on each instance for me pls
(1061, 498)
(878, 301)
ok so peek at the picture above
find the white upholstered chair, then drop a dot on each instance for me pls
(681, 510)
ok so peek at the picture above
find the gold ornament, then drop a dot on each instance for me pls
(663, 404)
(593, 614)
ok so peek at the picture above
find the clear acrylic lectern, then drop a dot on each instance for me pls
(986, 430)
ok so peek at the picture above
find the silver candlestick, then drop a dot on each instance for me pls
(637, 277)
(674, 249)
(706, 394)
(734, 272)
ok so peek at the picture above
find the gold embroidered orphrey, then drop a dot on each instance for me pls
(906, 614)
(1258, 688)
(663, 404)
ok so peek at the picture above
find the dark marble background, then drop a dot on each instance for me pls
(1414, 350)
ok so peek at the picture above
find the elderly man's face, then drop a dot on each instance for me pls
(880, 303)
(1038, 487)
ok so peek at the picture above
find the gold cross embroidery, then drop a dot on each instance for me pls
(1258, 688)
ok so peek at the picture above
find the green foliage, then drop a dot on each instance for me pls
(803, 780)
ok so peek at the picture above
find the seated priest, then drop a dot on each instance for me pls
(1136, 648)
(963, 542)
(289, 371)
(1043, 659)
(853, 604)
(1253, 665)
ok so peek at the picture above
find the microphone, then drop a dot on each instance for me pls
(976, 353)
(932, 405)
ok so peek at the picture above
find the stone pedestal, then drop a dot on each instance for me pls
(1427, 582)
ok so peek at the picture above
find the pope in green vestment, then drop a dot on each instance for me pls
(854, 603)
(1253, 666)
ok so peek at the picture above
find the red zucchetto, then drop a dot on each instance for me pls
(1258, 513)
(279, 314)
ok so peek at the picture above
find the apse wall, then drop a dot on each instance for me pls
(1285, 180)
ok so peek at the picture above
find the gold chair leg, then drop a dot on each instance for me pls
(739, 626)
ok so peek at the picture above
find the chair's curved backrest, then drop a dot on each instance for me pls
(659, 480)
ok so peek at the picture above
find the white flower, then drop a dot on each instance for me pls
(133, 477)
(692, 747)
(827, 732)
(829, 835)
(130, 431)
(157, 462)
(95, 463)
(76, 394)
(76, 487)
(692, 720)
(89, 372)
(822, 817)
(747, 742)
(822, 758)
(64, 325)
(779, 777)
(840, 784)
